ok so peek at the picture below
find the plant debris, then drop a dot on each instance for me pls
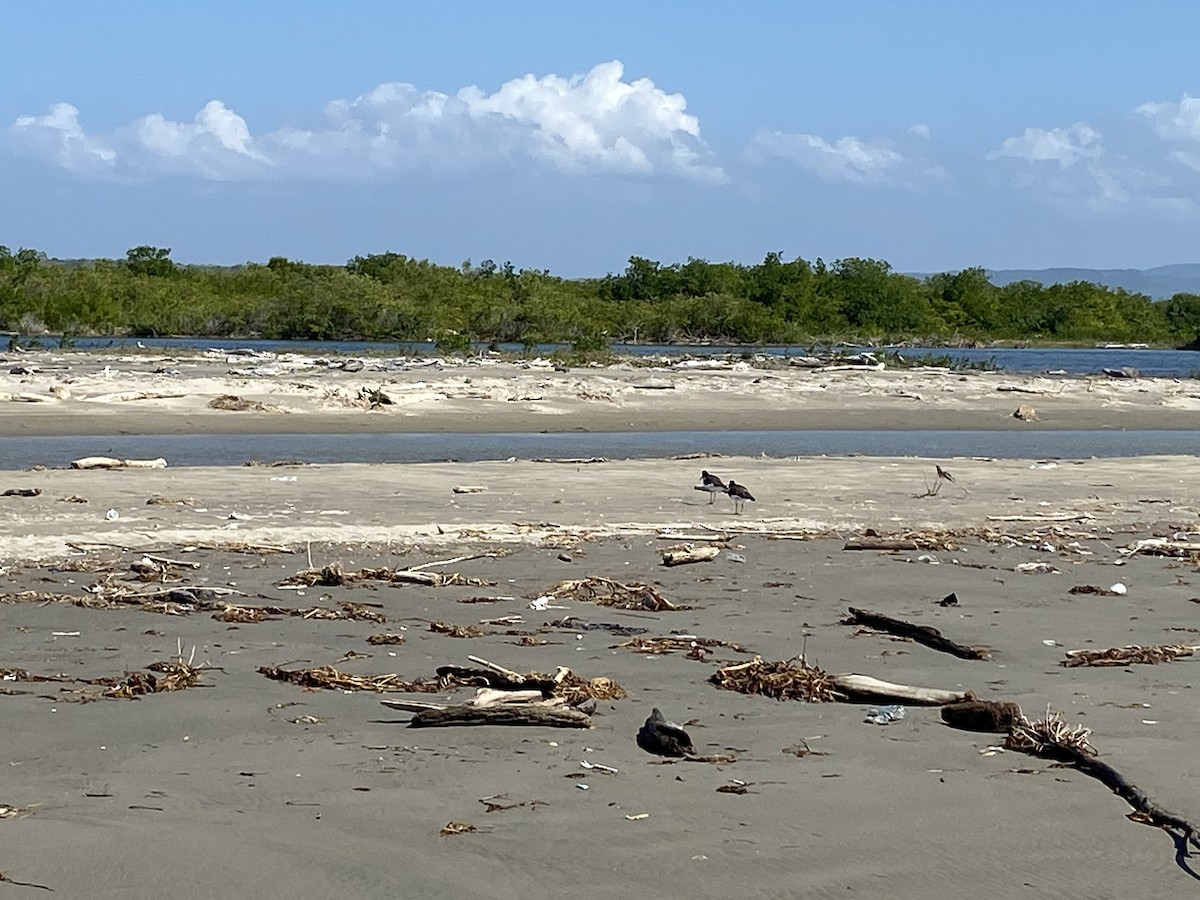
(785, 680)
(453, 828)
(329, 677)
(385, 637)
(458, 631)
(694, 647)
(608, 592)
(1128, 655)
(333, 575)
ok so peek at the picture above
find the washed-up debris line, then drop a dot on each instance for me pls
(1128, 655)
(181, 601)
(332, 575)
(564, 684)
(695, 647)
(608, 592)
(782, 680)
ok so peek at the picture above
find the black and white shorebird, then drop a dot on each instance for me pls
(663, 738)
(740, 495)
(711, 483)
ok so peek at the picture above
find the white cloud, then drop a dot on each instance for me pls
(59, 136)
(1174, 120)
(1066, 146)
(900, 163)
(585, 124)
(846, 159)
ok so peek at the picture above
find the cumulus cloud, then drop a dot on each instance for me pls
(1066, 146)
(1146, 158)
(592, 123)
(899, 163)
(59, 136)
(1179, 120)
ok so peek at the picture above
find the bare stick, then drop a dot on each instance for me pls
(922, 634)
(502, 714)
(868, 543)
(167, 561)
(498, 669)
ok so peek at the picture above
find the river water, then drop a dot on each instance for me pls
(234, 450)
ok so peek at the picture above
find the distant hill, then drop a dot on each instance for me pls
(1159, 283)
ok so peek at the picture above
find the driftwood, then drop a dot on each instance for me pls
(992, 716)
(922, 634)
(689, 555)
(502, 714)
(109, 462)
(1052, 739)
(865, 689)
(877, 543)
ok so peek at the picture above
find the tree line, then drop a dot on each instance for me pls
(390, 296)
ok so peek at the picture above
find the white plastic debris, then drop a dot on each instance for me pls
(112, 515)
(1118, 588)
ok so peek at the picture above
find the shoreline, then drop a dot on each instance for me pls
(110, 394)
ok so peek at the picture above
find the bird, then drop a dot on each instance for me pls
(663, 738)
(740, 495)
(711, 483)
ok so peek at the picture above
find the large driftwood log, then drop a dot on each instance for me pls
(502, 714)
(865, 689)
(875, 543)
(1153, 814)
(922, 634)
(690, 555)
(109, 462)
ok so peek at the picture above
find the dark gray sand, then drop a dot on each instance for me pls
(245, 786)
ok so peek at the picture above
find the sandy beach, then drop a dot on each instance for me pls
(243, 784)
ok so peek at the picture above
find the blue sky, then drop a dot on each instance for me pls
(569, 136)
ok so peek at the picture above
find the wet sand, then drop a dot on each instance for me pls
(245, 785)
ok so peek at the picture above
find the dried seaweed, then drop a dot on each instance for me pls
(24, 675)
(385, 637)
(453, 828)
(329, 677)
(162, 677)
(784, 680)
(608, 592)
(694, 647)
(458, 631)
(1128, 655)
(333, 575)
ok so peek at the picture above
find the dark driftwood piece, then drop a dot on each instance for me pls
(922, 634)
(992, 716)
(1152, 813)
(876, 543)
(514, 714)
